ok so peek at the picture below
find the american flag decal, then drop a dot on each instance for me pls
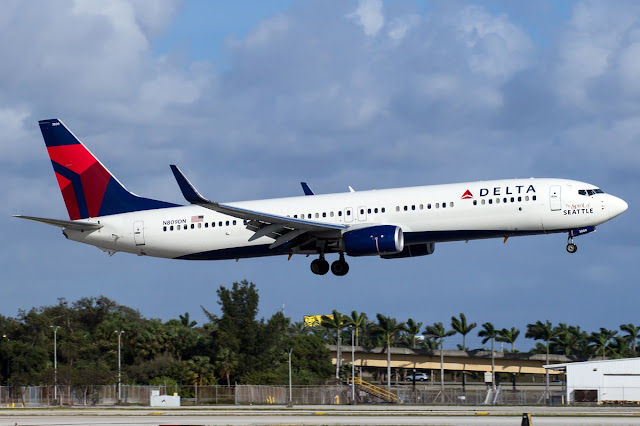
(195, 219)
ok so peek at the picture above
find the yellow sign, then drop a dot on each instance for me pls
(314, 320)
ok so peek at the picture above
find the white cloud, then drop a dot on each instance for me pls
(370, 16)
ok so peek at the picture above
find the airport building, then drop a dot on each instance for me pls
(608, 381)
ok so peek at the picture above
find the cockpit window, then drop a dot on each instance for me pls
(590, 191)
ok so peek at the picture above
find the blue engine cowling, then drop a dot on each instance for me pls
(414, 250)
(373, 241)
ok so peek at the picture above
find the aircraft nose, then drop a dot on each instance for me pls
(617, 206)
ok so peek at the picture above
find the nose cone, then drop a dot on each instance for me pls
(617, 206)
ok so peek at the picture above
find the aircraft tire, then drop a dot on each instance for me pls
(572, 248)
(339, 268)
(319, 266)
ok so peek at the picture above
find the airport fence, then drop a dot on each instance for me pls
(40, 396)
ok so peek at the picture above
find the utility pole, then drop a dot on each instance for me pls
(55, 362)
(119, 333)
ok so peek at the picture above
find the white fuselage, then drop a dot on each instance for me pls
(436, 213)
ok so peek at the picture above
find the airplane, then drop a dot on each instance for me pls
(389, 223)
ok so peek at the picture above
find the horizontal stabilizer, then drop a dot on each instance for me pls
(67, 224)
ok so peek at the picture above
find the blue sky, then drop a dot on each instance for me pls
(252, 97)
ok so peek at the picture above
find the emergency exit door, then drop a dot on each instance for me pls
(554, 198)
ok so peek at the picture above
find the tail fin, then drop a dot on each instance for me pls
(88, 188)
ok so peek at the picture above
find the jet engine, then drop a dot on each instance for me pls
(414, 250)
(373, 241)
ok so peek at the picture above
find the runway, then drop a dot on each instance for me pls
(323, 415)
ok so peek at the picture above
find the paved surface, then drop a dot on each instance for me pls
(323, 415)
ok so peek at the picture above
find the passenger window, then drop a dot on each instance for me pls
(533, 198)
(206, 224)
(475, 202)
(164, 228)
(497, 200)
(330, 214)
(220, 223)
(526, 198)
(340, 213)
(513, 199)
(192, 226)
(368, 211)
(227, 223)
(505, 200)
(178, 227)
(444, 205)
(309, 216)
(199, 225)
(413, 207)
(490, 200)
(375, 210)
(437, 205)
(421, 206)
(406, 208)
(234, 222)
(429, 206)
(361, 211)
(324, 214)
(348, 212)
(171, 228)
(519, 199)
(383, 210)
(482, 202)
(451, 204)
(185, 227)
(397, 208)
(295, 216)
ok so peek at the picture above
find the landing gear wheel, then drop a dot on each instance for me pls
(340, 268)
(320, 266)
(572, 248)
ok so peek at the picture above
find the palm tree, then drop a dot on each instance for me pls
(600, 340)
(358, 321)
(571, 341)
(389, 329)
(489, 332)
(633, 333)
(547, 332)
(185, 320)
(413, 329)
(437, 331)
(226, 363)
(460, 326)
(508, 336)
(336, 321)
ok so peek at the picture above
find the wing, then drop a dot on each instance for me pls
(67, 224)
(306, 189)
(282, 229)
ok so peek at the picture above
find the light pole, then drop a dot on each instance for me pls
(55, 362)
(119, 333)
(290, 381)
(353, 371)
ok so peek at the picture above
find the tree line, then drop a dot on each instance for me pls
(237, 347)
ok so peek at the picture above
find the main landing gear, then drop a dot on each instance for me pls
(571, 247)
(339, 268)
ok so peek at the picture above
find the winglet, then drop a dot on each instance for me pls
(190, 193)
(306, 189)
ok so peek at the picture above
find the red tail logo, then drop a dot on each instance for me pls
(467, 195)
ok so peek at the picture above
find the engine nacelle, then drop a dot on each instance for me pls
(414, 250)
(373, 241)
